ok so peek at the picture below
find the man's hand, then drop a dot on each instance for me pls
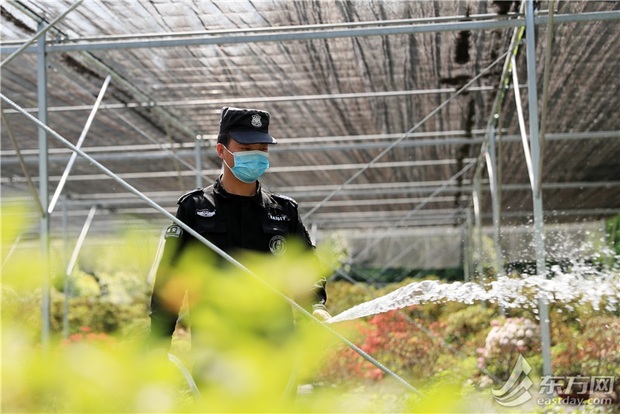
(321, 314)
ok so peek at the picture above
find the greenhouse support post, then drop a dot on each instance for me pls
(539, 244)
(467, 243)
(476, 198)
(43, 188)
(491, 156)
(41, 52)
(66, 288)
(198, 156)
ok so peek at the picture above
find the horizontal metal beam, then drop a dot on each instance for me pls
(111, 221)
(281, 144)
(208, 38)
(293, 144)
(280, 29)
(261, 99)
(305, 194)
(272, 170)
(393, 225)
(456, 216)
(142, 213)
(78, 201)
(430, 186)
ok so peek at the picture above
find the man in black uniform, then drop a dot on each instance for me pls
(235, 214)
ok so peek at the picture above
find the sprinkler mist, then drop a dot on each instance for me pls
(583, 283)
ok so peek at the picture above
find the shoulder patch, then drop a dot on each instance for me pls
(189, 194)
(173, 231)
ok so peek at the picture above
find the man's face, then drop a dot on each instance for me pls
(234, 146)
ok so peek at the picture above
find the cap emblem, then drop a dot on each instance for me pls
(256, 121)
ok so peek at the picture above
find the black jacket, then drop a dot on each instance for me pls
(263, 223)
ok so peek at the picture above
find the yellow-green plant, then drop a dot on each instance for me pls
(243, 351)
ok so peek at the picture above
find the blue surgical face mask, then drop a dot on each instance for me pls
(249, 165)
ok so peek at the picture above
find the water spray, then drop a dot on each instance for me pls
(584, 286)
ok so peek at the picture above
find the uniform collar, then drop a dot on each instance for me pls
(218, 189)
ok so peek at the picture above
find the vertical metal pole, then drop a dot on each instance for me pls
(467, 243)
(198, 155)
(539, 243)
(66, 289)
(43, 187)
(491, 156)
(478, 223)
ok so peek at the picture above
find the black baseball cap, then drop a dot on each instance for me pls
(246, 126)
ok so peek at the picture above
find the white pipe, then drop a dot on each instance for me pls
(522, 128)
(89, 122)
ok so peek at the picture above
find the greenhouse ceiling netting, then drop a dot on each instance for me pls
(391, 116)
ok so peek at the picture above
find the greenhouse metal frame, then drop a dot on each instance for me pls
(460, 195)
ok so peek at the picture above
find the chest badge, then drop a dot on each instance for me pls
(205, 213)
(277, 217)
(277, 245)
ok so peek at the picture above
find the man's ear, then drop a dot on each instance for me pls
(219, 147)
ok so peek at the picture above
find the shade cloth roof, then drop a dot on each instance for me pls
(364, 97)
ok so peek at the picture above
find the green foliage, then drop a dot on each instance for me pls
(612, 229)
(99, 315)
(589, 349)
(440, 342)
(336, 251)
(469, 325)
(342, 295)
(600, 346)
(247, 347)
(422, 341)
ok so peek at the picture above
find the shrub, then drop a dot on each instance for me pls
(469, 325)
(505, 341)
(600, 346)
(403, 344)
(592, 350)
(99, 315)
(342, 295)
(86, 334)
(409, 348)
(412, 341)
